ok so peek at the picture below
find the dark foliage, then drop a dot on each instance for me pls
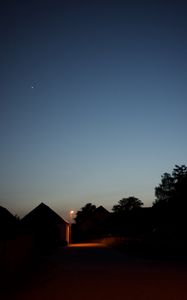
(84, 213)
(127, 204)
(170, 224)
(90, 223)
(171, 193)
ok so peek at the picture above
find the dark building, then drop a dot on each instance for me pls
(9, 224)
(47, 228)
(94, 226)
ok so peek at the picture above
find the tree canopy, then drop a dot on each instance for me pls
(85, 212)
(173, 187)
(127, 204)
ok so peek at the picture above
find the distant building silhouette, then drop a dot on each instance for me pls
(48, 229)
(94, 226)
(8, 224)
(15, 248)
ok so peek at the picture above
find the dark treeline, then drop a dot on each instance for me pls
(157, 230)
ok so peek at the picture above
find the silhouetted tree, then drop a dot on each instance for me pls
(172, 191)
(127, 204)
(84, 213)
(170, 226)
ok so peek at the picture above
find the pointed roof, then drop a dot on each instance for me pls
(100, 214)
(42, 215)
(8, 223)
(5, 215)
(101, 209)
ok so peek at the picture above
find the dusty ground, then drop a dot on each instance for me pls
(90, 271)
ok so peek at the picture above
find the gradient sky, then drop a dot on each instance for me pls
(93, 100)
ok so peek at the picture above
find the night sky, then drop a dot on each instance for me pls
(93, 100)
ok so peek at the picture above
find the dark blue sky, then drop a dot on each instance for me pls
(93, 100)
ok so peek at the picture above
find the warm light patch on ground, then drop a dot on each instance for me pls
(87, 245)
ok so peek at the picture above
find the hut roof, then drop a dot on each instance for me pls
(42, 215)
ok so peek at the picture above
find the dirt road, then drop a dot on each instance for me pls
(90, 271)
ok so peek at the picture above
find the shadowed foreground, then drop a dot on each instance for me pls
(90, 271)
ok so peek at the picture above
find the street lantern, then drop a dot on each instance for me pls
(71, 213)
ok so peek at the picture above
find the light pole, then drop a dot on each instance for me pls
(70, 225)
